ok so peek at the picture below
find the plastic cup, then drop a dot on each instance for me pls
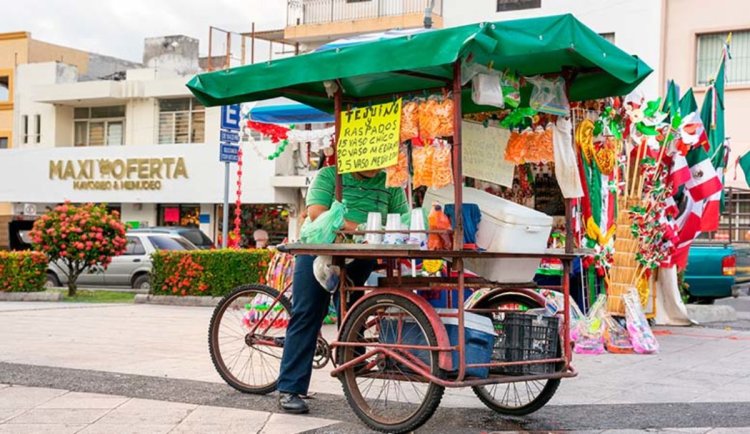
(393, 223)
(374, 223)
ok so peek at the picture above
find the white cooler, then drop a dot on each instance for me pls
(506, 227)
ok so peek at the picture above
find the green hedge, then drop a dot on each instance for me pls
(22, 271)
(207, 272)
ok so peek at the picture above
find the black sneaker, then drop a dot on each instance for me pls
(292, 403)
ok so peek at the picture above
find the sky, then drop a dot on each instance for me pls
(117, 28)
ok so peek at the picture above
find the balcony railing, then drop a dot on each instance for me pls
(301, 12)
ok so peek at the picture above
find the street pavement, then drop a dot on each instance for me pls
(146, 368)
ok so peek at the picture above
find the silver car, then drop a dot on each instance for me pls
(132, 268)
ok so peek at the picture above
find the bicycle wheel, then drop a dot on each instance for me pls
(246, 337)
(522, 397)
(385, 394)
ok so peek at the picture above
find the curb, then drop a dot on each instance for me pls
(708, 313)
(31, 296)
(172, 300)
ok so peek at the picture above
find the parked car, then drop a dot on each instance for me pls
(717, 270)
(194, 235)
(132, 268)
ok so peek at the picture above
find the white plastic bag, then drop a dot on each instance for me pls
(566, 166)
(548, 96)
(486, 90)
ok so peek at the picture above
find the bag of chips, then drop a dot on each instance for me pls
(398, 175)
(409, 121)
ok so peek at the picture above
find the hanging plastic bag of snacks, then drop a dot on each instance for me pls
(486, 90)
(422, 157)
(548, 96)
(514, 150)
(510, 85)
(429, 124)
(409, 121)
(442, 173)
(398, 174)
(444, 114)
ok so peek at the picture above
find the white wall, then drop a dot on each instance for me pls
(141, 122)
(636, 24)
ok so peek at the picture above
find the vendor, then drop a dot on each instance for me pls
(363, 193)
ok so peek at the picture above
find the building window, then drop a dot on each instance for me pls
(37, 128)
(99, 126)
(709, 51)
(4, 88)
(515, 5)
(25, 129)
(181, 121)
(178, 215)
(3, 142)
(610, 37)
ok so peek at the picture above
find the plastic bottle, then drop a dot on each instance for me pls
(438, 221)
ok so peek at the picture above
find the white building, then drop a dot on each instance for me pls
(139, 142)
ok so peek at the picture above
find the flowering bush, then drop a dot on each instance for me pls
(206, 272)
(22, 271)
(79, 237)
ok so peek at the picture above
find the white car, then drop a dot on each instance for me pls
(132, 268)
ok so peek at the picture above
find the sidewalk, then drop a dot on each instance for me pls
(700, 370)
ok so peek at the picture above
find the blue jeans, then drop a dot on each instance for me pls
(309, 308)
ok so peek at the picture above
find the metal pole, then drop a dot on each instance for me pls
(210, 42)
(225, 213)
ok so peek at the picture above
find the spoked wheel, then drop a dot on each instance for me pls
(384, 393)
(246, 337)
(522, 397)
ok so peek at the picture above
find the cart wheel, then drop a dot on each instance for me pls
(384, 393)
(322, 354)
(522, 397)
(245, 350)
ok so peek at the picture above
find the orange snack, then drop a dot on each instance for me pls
(409, 121)
(442, 171)
(398, 174)
(429, 123)
(444, 114)
(422, 157)
(514, 148)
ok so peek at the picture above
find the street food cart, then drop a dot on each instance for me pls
(395, 353)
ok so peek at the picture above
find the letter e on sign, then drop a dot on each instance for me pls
(230, 117)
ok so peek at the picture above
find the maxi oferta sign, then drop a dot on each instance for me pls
(118, 174)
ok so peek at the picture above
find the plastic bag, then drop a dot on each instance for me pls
(442, 172)
(435, 118)
(422, 162)
(398, 175)
(590, 330)
(444, 114)
(641, 336)
(548, 96)
(510, 86)
(486, 90)
(566, 165)
(409, 121)
(323, 229)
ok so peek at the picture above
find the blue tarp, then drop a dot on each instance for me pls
(289, 114)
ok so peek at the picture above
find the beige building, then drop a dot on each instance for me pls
(694, 33)
(19, 48)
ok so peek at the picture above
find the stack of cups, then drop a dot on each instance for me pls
(393, 223)
(417, 224)
(374, 223)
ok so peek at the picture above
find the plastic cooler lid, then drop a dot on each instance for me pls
(471, 320)
(492, 206)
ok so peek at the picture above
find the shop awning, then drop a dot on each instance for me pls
(289, 112)
(415, 62)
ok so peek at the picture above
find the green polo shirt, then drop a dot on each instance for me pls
(361, 196)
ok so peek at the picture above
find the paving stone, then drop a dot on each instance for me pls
(219, 419)
(85, 400)
(52, 428)
(280, 423)
(104, 428)
(71, 416)
(26, 397)
(146, 411)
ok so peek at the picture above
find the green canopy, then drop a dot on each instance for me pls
(420, 61)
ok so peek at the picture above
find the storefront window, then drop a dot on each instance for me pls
(273, 218)
(181, 121)
(179, 215)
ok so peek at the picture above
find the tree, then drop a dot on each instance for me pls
(79, 237)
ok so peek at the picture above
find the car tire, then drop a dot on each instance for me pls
(142, 282)
(52, 281)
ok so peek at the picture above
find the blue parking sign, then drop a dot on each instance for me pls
(230, 117)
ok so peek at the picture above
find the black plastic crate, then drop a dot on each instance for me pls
(524, 337)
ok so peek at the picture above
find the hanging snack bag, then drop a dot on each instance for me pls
(429, 124)
(514, 149)
(442, 172)
(548, 96)
(486, 90)
(510, 85)
(398, 174)
(409, 121)
(422, 157)
(444, 114)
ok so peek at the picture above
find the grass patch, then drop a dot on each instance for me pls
(88, 296)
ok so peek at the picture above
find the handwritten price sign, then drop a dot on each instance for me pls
(369, 137)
